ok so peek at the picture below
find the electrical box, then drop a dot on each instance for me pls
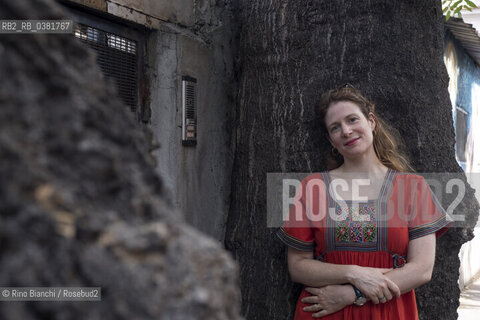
(189, 111)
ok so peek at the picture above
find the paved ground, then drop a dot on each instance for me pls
(470, 301)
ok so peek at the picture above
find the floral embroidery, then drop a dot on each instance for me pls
(341, 232)
(354, 212)
(356, 232)
(356, 224)
(368, 213)
(369, 232)
(342, 213)
(362, 213)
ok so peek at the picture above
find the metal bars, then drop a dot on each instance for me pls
(117, 57)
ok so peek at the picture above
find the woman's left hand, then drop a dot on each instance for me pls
(328, 299)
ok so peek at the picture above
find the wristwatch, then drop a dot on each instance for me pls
(360, 298)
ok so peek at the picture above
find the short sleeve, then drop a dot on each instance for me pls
(297, 232)
(427, 215)
(297, 238)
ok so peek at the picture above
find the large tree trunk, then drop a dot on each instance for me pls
(289, 53)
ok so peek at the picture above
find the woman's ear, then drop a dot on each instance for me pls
(371, 119)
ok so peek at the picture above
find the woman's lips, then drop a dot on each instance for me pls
(352, 142)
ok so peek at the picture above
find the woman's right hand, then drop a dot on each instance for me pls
(374, 284)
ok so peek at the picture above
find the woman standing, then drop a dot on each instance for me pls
(375, 239)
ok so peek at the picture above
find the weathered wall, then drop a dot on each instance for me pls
(80, 201)
(188, 38)
(198, 177)
(151, 13)
(467, 93)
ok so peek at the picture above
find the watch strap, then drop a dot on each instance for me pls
(358, 293)
(359, 297)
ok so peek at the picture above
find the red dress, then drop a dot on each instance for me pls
(374, 233)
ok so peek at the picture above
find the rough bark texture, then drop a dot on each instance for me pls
(289, 53)
(80, 201)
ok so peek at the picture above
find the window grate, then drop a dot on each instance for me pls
(117, 57)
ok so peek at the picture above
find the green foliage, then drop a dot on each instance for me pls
(453, 7)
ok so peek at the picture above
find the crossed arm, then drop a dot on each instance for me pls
(333, 280)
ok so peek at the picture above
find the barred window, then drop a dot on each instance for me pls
(117, 57)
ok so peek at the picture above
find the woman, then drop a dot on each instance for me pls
(366, 233)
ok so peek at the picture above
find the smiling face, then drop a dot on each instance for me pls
(349, 130)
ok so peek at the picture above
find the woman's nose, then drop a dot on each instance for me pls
(346, 130)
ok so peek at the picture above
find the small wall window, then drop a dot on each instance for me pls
(117, 58)
(119, 46)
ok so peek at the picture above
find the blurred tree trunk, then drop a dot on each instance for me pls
(289, 52)
(81, 204)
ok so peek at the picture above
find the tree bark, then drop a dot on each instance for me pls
(289, 52)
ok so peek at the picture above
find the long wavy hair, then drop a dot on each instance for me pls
(386, 141)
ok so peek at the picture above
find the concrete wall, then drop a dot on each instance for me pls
(188, 38)
(198, 177)
(155, 13)
(468, 97)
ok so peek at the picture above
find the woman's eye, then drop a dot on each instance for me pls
(353, 119)
(333, 128)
